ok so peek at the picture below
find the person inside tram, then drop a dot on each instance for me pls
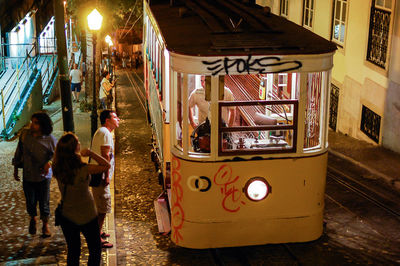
(201, 128)
(197, 99)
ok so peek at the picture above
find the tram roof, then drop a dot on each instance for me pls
(231, 27)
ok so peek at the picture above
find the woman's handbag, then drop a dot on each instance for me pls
(58, 217)
(95, 179)
(58, 214)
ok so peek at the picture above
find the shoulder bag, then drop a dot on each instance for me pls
(95, 179)
(58, 217)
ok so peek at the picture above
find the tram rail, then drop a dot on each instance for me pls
(362, 190)
(136, 88)
(243, 255)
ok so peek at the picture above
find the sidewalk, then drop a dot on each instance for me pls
(82, 126)
(379, 161)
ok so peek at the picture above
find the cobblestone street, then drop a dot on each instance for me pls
(136, 188)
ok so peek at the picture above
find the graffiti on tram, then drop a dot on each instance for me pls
(250, 64)
(223, 178)
(229, 189)
(177, 213)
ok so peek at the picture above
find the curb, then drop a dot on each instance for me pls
(387, 178)
(111, 254)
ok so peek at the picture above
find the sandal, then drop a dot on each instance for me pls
(104, 235)
(45, 235)
(105, 244)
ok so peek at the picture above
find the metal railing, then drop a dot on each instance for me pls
(13, 91)
(19, 71)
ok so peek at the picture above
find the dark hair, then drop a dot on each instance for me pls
(46, 125)
(66, 161)
(104, 115)
(105, 73)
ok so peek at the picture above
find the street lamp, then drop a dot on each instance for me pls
(110, 43)
(94, 23)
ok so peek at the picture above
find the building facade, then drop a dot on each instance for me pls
(365, 86)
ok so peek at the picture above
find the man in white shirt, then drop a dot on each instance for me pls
(75, 76)
(103, 144)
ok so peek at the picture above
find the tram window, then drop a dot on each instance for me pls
(199, 113)
(253, 141)
(265, 108)
(179, 114)
(256, 130)
(312, 134)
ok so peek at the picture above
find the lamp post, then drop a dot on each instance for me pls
(94, 23)
(110, 43)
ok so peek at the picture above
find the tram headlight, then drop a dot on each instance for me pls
(257, 188)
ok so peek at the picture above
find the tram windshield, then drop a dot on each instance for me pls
(265, 108)
(256, 114)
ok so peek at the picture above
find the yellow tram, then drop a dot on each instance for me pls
(238, 103)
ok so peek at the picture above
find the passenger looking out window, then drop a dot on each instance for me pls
(200, 123)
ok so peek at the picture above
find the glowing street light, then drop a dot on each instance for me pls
(94, 20)
(94, 23)
(108, 39)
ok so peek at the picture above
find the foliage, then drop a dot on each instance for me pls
(85, 105)
(116, 13)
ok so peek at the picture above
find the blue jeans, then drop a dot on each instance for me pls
(91, 232)
(37, 192)
(103, 102)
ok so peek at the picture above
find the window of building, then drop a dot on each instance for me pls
(284, 8)
(370, 123)
(308, 13)
(339, 21)
(379, 29)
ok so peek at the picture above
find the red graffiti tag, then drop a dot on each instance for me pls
(177, 212)
(232, 194)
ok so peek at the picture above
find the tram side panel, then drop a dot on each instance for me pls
(209, 208)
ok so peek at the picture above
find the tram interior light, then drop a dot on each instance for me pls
(257, 189)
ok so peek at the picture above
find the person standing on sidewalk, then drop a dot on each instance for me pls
(103, 144)
(105, 90)
(76, 82)
(78, 209)
(33, 154)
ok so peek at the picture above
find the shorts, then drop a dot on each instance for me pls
(102, 198)
(76, 86)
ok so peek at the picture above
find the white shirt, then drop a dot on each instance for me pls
(76, 76)
(103, 137)
(197, 97)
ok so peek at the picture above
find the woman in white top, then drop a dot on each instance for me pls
(78, 210)
(105, 88)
